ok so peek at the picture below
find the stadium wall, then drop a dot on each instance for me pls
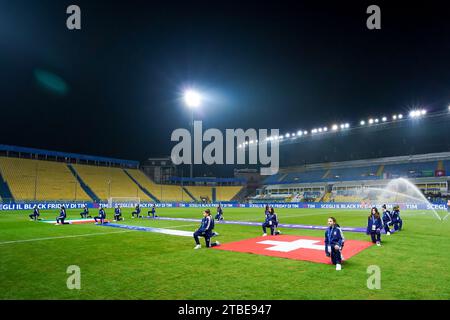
(287, 205)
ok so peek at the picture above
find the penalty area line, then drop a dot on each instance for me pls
(64, 237)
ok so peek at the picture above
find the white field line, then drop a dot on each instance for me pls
(85, 235)
(63, 237)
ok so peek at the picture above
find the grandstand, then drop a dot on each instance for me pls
(40, 180)
(350, 181)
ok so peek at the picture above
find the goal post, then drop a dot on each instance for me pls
(124, 202)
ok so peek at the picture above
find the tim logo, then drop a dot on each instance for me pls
(293, 247)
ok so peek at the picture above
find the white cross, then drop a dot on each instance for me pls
(284, 246)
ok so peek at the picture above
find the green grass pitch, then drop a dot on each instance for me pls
(143, 265)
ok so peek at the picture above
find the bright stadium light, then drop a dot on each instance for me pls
(384, 119)
(325, 129)
(287, 135)
(400, 116)
(299, 132)
(371, 121)
(362, 122)
(423, 112)
(376, 120)
(342, 126)
(320, 130)
(192, 98)
(305, 132)
(334, 127)
(347, 125)
(394, 117)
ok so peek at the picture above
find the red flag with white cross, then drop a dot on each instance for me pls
(293, 247)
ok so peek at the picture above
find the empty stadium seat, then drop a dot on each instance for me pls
(40, 180)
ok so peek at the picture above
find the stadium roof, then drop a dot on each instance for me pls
(66, 155)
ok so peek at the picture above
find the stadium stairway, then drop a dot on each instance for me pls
(83, 185)
(380, 171)
(5, 193)
(190, 194)
(144, 190)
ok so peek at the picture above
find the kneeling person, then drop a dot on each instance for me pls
(334, 241)
(101, 215)
(205, 230)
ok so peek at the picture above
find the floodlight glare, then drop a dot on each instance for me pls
(423, 112)
(299, 132)
(287, 135)
(370, 121)
(347, 125)
(400, 116)
(394, 117)
(325, 129)
(192, 98)
(334, 127)
(384, 119)
(305, 132)
(362, 122)
(376, 120)
(320, 129)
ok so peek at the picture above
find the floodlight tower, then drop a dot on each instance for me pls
(192, 100)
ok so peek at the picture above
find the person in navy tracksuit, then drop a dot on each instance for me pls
(205, 230)
(396, 219)
(136, 213)
(118, 213)
(334, 242)
(374, 226)
(85, 213)
(62, 216)
(387, 220)
(153, 212)
(35, 215)
(219, 215)
(101, 215)
(269, 222)
(275, 222)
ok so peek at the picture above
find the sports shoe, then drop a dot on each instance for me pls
(264, 234)
(378, 244)
(197, 247)
(217, 243)
(338, 267)
(388, 233)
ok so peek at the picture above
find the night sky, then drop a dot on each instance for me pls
(285, 65)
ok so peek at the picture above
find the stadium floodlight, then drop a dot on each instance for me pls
(362, 122)
(376, 120)
(334, 127)
(347, 125)
(192, 98)
(299, 132)
(400, 116)
(325, 129)
(305, 132)
(293, 134)
(287, 135)
(394, 117)
(384, 119)
(320, 130)
(314, 131)
(423, 112)
(371, 121)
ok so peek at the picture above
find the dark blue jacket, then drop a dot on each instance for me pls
(102, 213)
(153, 209)
(373, 221)
(396, 216)
(86, 210)
(62, 213)
(117, 211)
(333, 236)
(205, 225)
(36, 212)
(387, 217)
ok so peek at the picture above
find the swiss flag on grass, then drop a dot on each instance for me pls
(293, 247)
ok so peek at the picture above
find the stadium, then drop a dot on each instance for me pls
(103, 195)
